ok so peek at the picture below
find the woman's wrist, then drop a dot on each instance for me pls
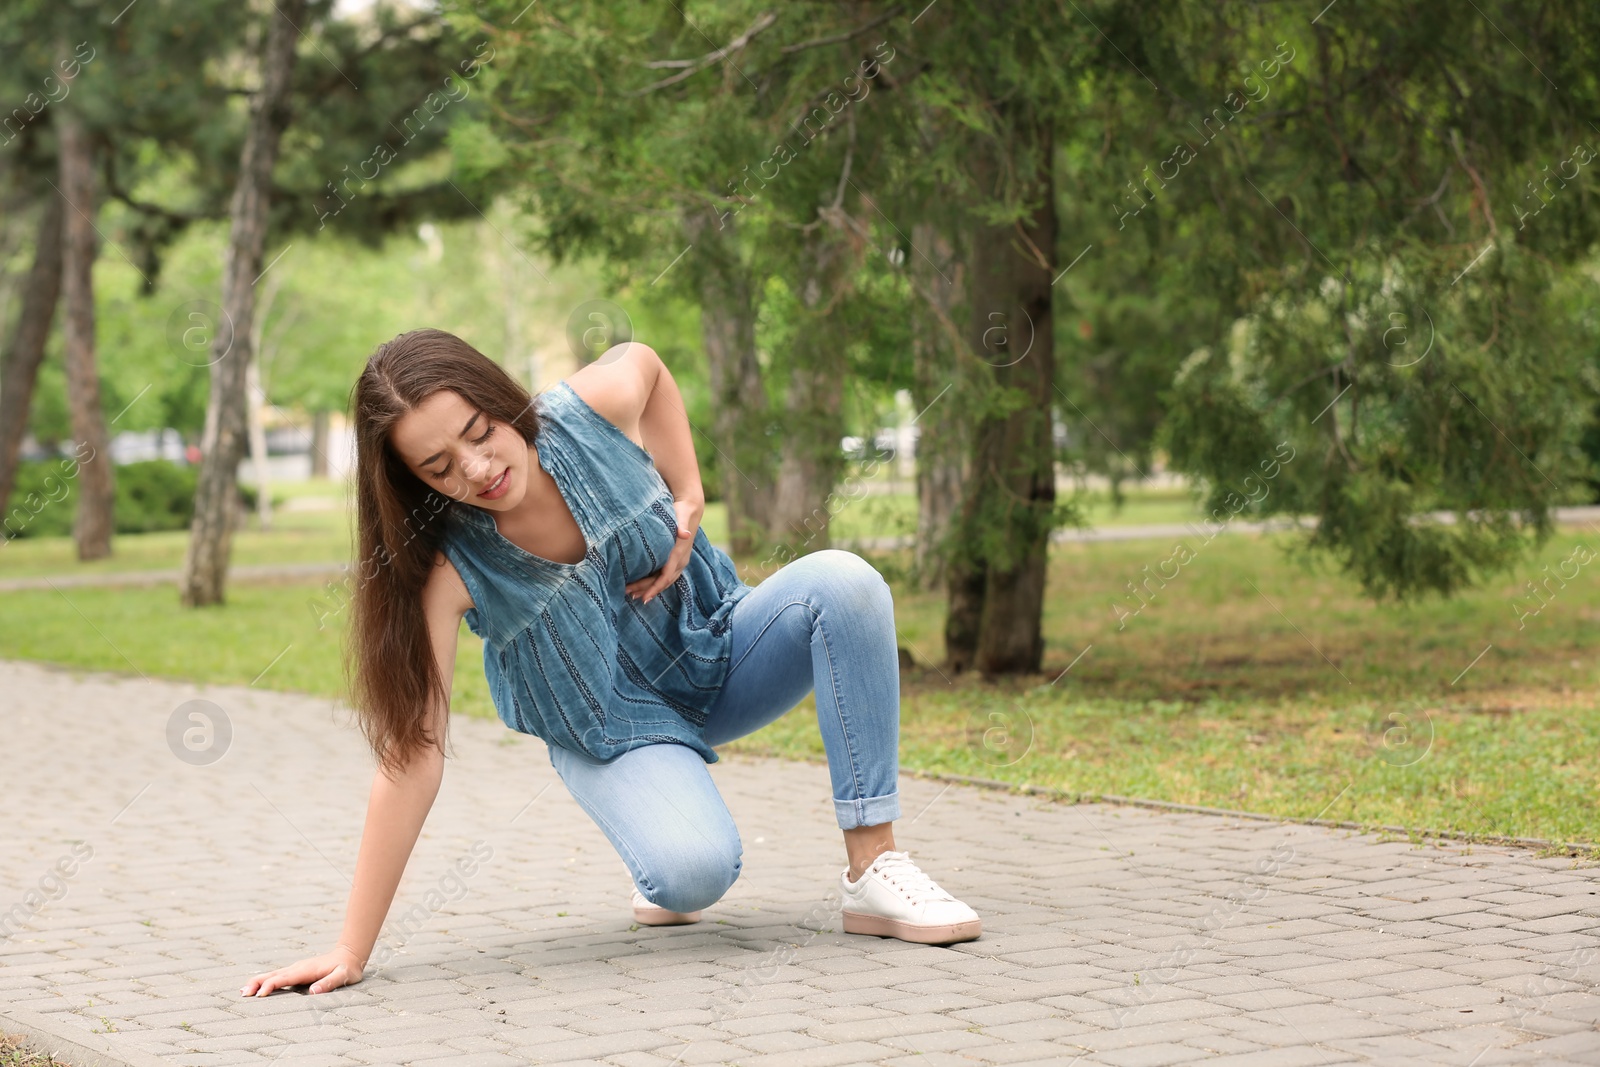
(360, 959)
(695, 498)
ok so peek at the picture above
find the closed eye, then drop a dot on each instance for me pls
(476, 440)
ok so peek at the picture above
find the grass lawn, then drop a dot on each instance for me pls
(299, 535)
(295, 537)
(1245, 683)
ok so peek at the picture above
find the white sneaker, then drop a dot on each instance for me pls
(894, 898)
(649, 914)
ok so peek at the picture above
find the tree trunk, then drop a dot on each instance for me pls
(256, 425)
(739, 397)
(91, 528)
(811, 461)
(964, 581)
(19, 369)
(1006, 516)
(942, 446)
(222, 445)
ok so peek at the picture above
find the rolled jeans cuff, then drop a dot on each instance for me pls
(867, 811)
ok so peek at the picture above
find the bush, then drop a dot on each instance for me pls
(151, 495)
(41, 504)
(155, 494)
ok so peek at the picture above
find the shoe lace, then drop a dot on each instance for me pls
(912, 882)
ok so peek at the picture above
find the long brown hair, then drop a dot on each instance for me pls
(400, 523)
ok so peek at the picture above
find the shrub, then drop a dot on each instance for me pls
(154, 494)
(151, 495)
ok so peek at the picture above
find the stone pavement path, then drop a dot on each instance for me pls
(143, 889)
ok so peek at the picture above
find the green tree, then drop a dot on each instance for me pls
(1375, 257)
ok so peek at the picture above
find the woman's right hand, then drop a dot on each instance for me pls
(325, 972)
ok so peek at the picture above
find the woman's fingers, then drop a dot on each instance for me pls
(322, 973)
(646, 588)
(266, 984)
(332, 980)
(676, 562)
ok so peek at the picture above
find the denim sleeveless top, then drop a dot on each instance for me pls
(569, 657)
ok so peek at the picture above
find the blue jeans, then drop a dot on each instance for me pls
(824, 621)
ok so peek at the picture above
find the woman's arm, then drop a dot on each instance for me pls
(396, 810)
(633, 389)
(664, 425)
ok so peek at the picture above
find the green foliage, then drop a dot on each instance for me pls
(151, 495)
(1354, 267)
(154, 494)
(38, 505)
(1366, 236)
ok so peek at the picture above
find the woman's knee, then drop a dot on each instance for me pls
(695, 876)
(852, 581)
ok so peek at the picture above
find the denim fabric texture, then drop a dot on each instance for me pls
(826, 621)
(569, 657)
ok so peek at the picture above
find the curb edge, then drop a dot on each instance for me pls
(1069, 797)
(44, 1035)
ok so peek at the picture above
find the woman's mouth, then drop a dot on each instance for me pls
(498, 487)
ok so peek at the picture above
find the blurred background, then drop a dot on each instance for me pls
(1215, 383)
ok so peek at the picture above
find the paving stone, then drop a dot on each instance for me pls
(1125, 1037)
(999, 1014)
(1569, 922)
(1037, 1030)
(637, 1059)
(1359, 950)
(930, 1059)
(971, 1042)
(1275, 1057)
(1266, 996)
(852, 1052)
(1154, 1055)
(1221, 1044)
(1024, 1052)
(779, 1041)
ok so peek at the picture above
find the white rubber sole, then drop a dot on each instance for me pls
(856, 922)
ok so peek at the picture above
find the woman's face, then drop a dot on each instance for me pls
(460, 451)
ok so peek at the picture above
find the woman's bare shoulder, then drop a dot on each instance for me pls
(444, 590)
(618, 384)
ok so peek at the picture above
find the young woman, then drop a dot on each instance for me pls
(565, 529)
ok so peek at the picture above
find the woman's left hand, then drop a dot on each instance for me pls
(689, 513)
